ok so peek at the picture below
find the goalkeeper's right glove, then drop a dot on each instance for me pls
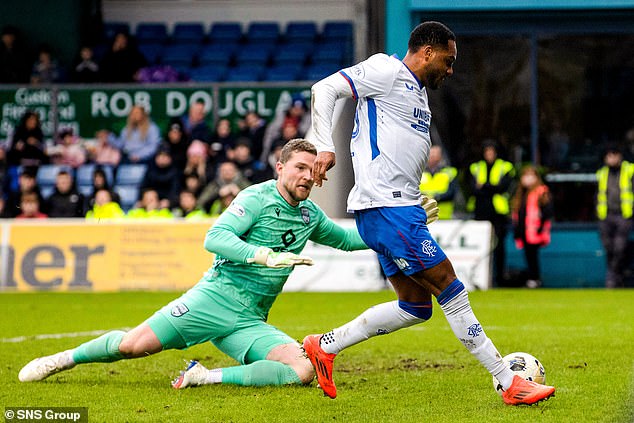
(431, 207)
(269, 258)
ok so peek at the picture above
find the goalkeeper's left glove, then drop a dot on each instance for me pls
(431, 207)
(269, 258)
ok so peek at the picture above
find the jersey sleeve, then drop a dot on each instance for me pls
(333, 235)
(225, 237)
(373, 77)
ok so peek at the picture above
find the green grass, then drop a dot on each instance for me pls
(584, 338)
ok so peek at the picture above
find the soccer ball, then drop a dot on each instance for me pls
(523, 365)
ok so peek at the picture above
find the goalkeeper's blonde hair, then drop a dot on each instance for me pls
(296, 145)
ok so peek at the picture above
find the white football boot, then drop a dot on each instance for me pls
(194, 375)
(43, 367)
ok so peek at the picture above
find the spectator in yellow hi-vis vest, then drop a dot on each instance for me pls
(490, 181)
(439, 182)
(614, 210)
(149, 207)
(104, 207)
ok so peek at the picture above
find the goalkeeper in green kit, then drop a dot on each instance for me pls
(257, 242)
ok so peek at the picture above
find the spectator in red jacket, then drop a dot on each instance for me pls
(532, 214)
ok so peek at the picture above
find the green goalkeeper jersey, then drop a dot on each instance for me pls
(260, 217)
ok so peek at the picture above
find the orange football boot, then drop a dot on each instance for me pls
(323, 363)
(523, 391)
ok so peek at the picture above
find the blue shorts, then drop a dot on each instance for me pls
(400, 237)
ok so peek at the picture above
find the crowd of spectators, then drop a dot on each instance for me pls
(192, 169)
(120, 63)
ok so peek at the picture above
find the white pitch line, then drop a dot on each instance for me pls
(55, 336)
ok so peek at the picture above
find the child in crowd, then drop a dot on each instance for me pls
(30, 206)
(104, 207)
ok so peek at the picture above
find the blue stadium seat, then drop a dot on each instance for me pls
(47, 191)
(337, 31)
(208, 73)
(259, 31)
(110, 29)
(317, 72)
(128, 195)
(282, 73)
(84, 173)
(289, 54)
(151, 32)
(12, 176)
(226, 32)
(47, 173)
(330, 53)
(188, 32)
(217, 54)
(179, 55)
(85, 190)
(130, 174)
(152, 52)
(245, 73)
(257, 54)
(301, 31)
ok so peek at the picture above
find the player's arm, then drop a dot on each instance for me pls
(333, 235)
(225, 237)
(324, 94)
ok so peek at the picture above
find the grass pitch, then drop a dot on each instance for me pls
(584, 338)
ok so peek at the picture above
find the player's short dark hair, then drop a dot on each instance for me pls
(430, 33)
(296, 145)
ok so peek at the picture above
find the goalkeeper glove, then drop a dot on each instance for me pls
(269, 258)
(431, 207)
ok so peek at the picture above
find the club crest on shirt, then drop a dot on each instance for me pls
(428, 248)
(179, 309)
(358, 71)
(305, 215)
(237, 209)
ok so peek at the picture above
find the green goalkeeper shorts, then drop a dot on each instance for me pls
(202, 314)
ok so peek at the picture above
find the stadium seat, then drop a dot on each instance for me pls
(130, 174)
(188, 32)
(217, 54)
(254, 54)
(260, 31)
(226, 32)
(301, 31)
(84, 173)
(128, 195)
(291, 54)
(337, 31)
(208, 73)
(281, 73)
(85, 190)
(317, 72)
(152, 52)
(12, 176)
(47, 173)
(47, 191)
(330, 54)
(245, 73)
(180, 55)
(151, 32)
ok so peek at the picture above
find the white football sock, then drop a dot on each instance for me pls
(378, 320)
(469, 331)
(214, 376)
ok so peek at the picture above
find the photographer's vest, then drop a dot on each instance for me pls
(499, 169)
(625, 185)
(438, 184)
